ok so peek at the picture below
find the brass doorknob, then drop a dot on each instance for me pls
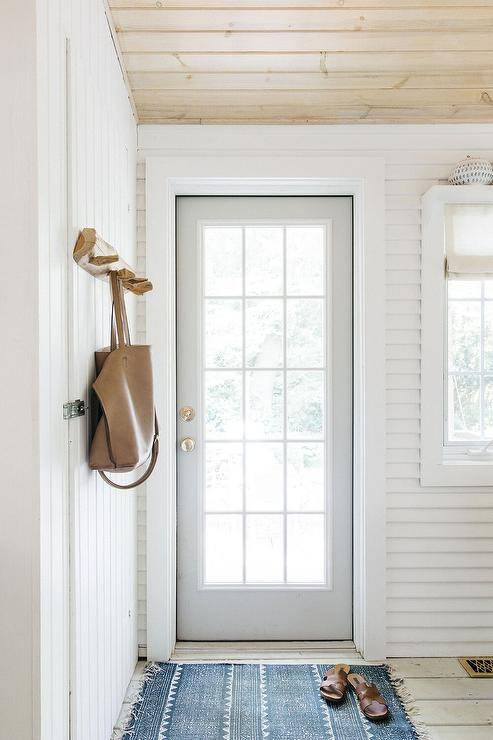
(187, 444)
(187, 413)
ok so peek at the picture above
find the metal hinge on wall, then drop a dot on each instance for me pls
(72, 409)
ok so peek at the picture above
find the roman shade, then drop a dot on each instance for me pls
(469, 239)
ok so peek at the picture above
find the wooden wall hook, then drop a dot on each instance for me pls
(97, 257)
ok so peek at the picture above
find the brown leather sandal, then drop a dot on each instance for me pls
(334, 684)
(370, 700)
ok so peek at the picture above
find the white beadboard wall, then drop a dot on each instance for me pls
(141, 497)
(93, 180)
(439, 540)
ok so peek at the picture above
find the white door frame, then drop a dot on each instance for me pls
(230, 173)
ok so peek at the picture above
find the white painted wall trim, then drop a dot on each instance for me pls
(438, 466)
(160, 140)
(285, 174)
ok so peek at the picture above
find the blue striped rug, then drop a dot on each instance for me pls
(220, 701)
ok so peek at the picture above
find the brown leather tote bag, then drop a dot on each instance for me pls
(126, 431)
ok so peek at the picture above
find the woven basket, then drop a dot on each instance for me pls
(472, 171)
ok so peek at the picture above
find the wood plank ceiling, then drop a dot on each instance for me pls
(307, 61)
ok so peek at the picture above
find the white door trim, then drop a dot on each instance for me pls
(254, 174)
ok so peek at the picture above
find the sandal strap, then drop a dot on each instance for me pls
(369, 693)
(337, 675)
(339, 685)
(335, 680)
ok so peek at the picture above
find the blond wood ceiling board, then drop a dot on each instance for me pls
(304, 81)
(296, 41)
(307, 115)
(313, 60)
(334, 19)
(264, 4)
(326, 62)
(398, 98)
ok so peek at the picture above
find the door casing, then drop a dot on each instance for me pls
(234, 174)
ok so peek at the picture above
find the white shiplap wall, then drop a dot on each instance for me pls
(439, 540)
(87, 178)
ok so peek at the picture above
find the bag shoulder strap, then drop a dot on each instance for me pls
(144, 477)
(118, 313)
(119, 316)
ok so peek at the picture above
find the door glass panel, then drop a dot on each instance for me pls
(305, 331)
(264, 260)
(223, 476)
(223, 548)
(222, 261)
(264, 548)
(223, 400)
(264, 404)
(223, 337)
(305, 403)
(264, 332)
(264, 476)
(305, 476)
(264, 382)
(305, 263)
(305, 548)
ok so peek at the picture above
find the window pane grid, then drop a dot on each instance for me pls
(469, 375)
(243, 375)
(253, 297)
(252, 440)
(261, 512)
(260, 369)
(265, 531)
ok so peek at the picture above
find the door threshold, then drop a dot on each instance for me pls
(289, 651)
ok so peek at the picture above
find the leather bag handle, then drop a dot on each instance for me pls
(113, 330)
(118, 313)
(144, 477)
(119, 316)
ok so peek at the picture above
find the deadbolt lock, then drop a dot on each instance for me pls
(187, 413)
(187, 444)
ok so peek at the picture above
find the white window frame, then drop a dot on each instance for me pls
(241, 171)
(442, 465)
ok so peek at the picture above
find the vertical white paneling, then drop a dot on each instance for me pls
(439, 541)
(99, 191)
(104, 522)
(53, 376)
(141, 502)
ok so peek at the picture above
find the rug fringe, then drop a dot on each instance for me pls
(408, 703)
(133, 699)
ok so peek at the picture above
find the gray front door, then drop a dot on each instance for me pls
(264, 314)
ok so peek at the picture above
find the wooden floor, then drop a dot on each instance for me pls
(454, 706)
